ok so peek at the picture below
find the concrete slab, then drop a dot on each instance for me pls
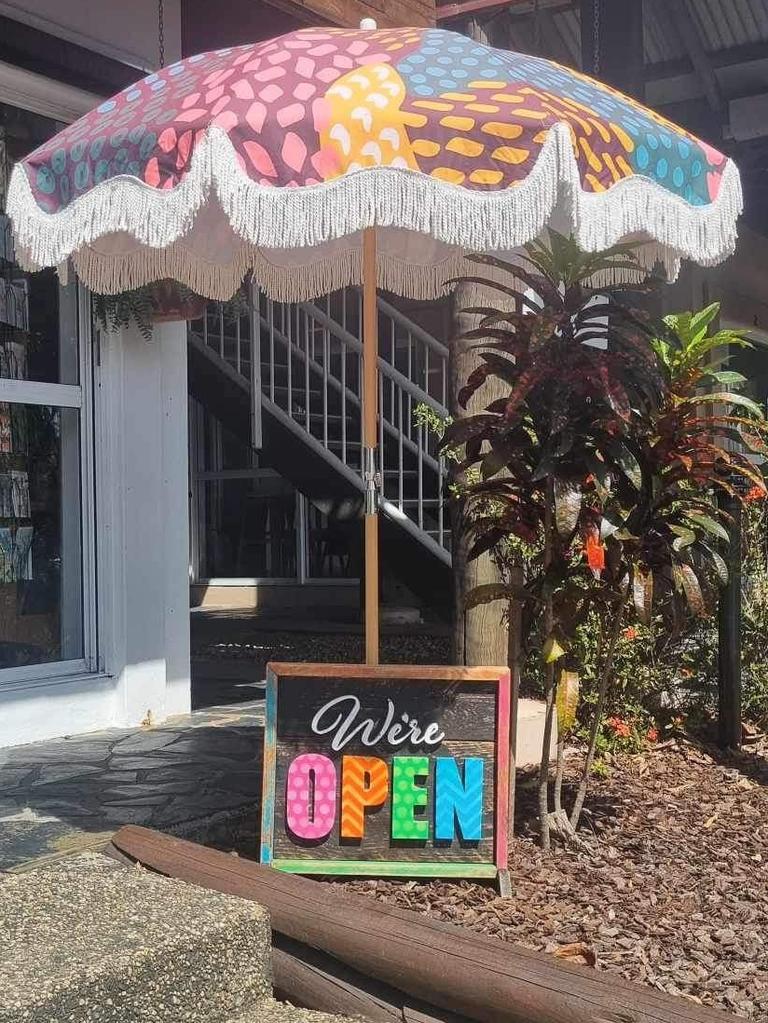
(270, 1011)
(89, 941)
(530, 733)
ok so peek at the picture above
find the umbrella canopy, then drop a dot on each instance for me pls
(274, 157)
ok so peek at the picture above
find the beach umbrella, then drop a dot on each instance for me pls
(328, 157)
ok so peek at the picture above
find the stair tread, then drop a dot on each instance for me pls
(436, 501)
(271, 1011)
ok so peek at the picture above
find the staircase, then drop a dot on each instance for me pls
(306, 381)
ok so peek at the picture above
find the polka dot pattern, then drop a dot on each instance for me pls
(310, 799)
(317, 103)
(409, 793)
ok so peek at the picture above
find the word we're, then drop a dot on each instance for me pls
(340, 718)
(315, 799)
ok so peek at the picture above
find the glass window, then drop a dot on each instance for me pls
(45, 513)
(36, 341)
(32, 344)
(41, 600)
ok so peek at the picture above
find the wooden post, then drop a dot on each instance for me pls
(370, 436)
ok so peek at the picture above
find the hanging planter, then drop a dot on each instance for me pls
(172, 301)
(161, 302)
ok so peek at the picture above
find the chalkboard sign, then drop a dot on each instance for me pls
(386, 770)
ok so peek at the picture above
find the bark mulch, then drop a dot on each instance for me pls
(673, 891)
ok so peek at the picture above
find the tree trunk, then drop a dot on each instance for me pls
(515, 660)
(549, 677)
(602, 694)
(481, 635)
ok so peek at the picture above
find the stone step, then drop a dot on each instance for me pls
(86, 940)
(270, 1011)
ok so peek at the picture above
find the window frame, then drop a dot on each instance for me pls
(79, 397)
(61, 102)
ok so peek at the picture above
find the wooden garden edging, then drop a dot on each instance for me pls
(443, 965)
(314, 980)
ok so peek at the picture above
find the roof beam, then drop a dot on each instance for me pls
(734, 55)
(467, 7)
(44, 54)
(462, 8)
(683, 19)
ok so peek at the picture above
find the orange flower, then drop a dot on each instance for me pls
(630, 633)
(652, 735)
(757, 493)
(595, 552)
(620, 727)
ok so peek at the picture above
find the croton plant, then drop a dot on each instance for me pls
(599, 468)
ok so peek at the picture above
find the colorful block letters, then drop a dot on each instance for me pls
(399, 771)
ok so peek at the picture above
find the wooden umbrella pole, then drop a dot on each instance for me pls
(370, 439)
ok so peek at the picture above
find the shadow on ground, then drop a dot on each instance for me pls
(68, 794)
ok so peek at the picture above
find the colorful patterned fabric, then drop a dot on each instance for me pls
(272, 158)
(316, 104)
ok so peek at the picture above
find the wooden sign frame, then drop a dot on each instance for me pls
(496, 865)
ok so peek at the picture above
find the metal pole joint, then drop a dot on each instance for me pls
(372, 481)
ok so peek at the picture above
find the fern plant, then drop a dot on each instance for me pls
(142, 307)
(128, 308)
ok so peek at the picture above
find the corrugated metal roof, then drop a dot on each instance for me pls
(722, 25)
(731, 23)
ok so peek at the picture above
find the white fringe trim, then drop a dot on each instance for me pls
(308, 217)
(300, 282)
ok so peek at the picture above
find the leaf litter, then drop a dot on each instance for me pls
(671, 890)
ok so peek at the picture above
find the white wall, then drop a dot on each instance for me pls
(146, 611)
(142, 448)
(143, 538)
(124, 29)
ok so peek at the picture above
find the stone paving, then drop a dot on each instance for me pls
(69, 794)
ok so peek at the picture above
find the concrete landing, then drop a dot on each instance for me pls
(88, 940)
(530, 733)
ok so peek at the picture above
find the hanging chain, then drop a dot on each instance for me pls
(161, 32)
(596, 37)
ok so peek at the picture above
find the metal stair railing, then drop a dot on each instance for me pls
(309, 372)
